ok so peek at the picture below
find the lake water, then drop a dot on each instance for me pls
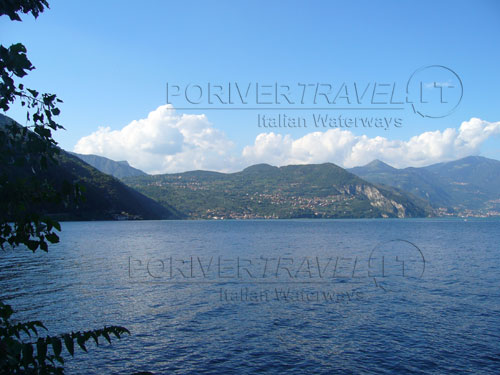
(300, 296)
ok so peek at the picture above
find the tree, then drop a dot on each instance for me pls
(25, 155)
(27, 151)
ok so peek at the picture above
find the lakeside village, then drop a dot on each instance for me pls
(316, 205)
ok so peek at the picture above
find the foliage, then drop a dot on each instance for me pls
(24, 351)
(26, 155)
(26, 152)
(13, 7)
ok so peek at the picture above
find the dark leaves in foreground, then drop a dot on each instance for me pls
(11, 8)
(24, 351)
(26, 153)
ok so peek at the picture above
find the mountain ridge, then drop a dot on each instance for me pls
(263, 191)
(106, 197)
(468, 186)
(118, 169)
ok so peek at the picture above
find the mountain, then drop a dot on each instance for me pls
(375, 166)
(105, 196)
(118, 169)
(417, 181)
(468, 186)
(264, 191)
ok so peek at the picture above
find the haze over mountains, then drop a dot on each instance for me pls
(264, 191)
(464, 187)
(118, 169)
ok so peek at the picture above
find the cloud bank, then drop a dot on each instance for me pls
(347, 149)
(166, 142)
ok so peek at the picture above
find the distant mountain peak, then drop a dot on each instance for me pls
(259, 168)
(467, 186)
(374, 166)
(475, 158)
(118, 169)
(378, 164)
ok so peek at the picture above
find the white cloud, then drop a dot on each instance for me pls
(163, 142)
(344, 148)
(166, 142)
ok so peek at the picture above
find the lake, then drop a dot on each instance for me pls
(297, 296)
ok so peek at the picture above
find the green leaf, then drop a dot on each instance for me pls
(94, 336)
(106, 336)
(81, 342)
(56, 225)
(56, 346)
(5, 311)
(70, 345)
(32, 245)
(52, 237)
(34, 93)
(41, 350)
(44, 246)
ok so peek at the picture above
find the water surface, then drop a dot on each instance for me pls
(199, 297)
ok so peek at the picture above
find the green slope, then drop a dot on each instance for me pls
(466, 186)
(264, 191)
(417, 181)
(105, 196)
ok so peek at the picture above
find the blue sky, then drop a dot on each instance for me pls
(110, 62)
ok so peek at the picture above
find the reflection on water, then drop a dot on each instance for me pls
(270, 296)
